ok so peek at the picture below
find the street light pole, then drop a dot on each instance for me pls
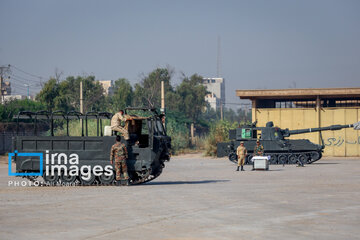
(28, 92)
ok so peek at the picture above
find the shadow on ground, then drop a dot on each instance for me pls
(186, 182)
(324, 163)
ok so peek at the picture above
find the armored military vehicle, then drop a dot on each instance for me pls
(148, 149)
(273, 139)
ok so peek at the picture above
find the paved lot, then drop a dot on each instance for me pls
(194, 198)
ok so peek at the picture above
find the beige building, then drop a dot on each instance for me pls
(8, 98)
(108, 86)
(308, 108)
(216, 89)
(6, 91)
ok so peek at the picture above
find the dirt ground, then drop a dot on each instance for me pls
(195, 198)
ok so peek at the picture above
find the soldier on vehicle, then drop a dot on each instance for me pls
(118, 124)
(241, 153)
(162, 117)
(119, 154)
(258, 151)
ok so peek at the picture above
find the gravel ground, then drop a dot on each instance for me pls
(195, 198)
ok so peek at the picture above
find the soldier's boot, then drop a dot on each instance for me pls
(125, 182)
(237, 168)
(242, 168)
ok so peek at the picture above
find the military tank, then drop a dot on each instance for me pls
(273, 139)
(148, 149)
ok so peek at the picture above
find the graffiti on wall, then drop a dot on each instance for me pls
(339, 141)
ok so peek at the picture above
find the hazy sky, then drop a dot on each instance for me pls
(264, 44)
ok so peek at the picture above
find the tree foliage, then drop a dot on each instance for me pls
(48, 94)
(147, 93)
(123, 95)
(65, 95)
(11, 108)
(192, 94)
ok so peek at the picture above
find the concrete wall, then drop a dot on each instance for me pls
(344, 143)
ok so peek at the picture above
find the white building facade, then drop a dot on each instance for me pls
(216, 89)
(108, 86)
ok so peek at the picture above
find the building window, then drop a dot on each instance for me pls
(340, 103)
(307, 103)
(295, 104)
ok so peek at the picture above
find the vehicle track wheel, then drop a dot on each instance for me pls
(52, 179)
(233, 157)
(67, 178)
(248, 160)
(106, 179)
(292, 159)
(282, 159)
(303, 158)
(273, 159)
(87, 181)
(315, 156)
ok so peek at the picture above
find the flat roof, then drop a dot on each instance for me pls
(299, 93)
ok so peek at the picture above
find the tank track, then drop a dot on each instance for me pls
(285, 158)
(143, 177)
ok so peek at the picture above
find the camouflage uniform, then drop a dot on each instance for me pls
(241, 153)
(120, 154)
(259, 150)
(116, 125)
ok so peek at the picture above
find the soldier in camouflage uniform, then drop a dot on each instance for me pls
(258, 151)
(118, 123)
(119, 154)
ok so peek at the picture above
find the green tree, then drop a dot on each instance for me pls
(123, 94)
(138, 96)
(11, 108)
(173, 102)
(48, 94)
(65, 95)
(193, 94)
(147, 93)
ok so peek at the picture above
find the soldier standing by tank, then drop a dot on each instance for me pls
(241, 153)
(258, 150)
(118, 123)
(119, 154)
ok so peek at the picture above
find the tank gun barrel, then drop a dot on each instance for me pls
(329, 128)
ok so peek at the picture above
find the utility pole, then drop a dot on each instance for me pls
(192, 130)
(3, 70)
(218, 73)
(221, 111)
(81, 107)
(218, 62)
(162, 110)
(81, 98)
(162, 97)
(28, 92)
(1, 90)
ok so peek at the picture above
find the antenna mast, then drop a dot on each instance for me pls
(218, 56)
